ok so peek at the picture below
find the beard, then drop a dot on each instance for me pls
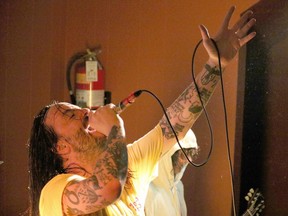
(87, 145)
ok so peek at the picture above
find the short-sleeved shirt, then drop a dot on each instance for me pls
(143, 156)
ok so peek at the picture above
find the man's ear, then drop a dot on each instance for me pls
(63, 147)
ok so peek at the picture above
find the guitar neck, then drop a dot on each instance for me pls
(248, 213)
(255, 203)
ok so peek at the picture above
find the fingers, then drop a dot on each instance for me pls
(103, 118)
(204, 32)
(112, 107)
(247, 38)
(242, 26)
(243, 19)
(227, 18)
(243, 31)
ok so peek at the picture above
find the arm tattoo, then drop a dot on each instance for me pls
(83, 194)
(187, 107)
(116, 155)
(112, 165)
(167, 131)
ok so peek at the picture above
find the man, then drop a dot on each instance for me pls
(79, 160)
(166, 192)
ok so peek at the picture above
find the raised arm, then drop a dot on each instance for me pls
(185, 110)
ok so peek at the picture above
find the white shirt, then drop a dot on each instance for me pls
(166, 193)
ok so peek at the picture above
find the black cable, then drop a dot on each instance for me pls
(164, 111)
(206, 114)
(226, 129)
(225, 118)
(175, 134)
(203, 106)
(208, 121)
(207, 117)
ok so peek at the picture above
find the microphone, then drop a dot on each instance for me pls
(119, 108)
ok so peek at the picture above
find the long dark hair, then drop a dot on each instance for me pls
(44, 163)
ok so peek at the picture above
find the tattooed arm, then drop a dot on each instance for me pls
(108, 177)
(187, 107)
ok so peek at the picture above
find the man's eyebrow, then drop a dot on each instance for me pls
(68, 111)
(63, 110)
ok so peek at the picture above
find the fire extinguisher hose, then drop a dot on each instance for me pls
(70, 64)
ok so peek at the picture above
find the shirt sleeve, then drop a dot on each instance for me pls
(144, 154)
(51, 195)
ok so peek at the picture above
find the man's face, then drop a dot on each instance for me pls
(180, 161)
(71, 123)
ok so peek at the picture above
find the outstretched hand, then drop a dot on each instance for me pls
(228, 40)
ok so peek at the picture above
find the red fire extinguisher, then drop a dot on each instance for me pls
(89, 80)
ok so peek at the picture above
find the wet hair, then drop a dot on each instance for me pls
(44, 163)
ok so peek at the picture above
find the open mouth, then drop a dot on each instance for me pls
(85, 121)
(86, 125)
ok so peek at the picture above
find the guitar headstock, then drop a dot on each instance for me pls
(255, 203)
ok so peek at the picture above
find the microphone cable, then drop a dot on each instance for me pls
(204, 109)
(207, 118)
(172, 128)
(225, 118)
